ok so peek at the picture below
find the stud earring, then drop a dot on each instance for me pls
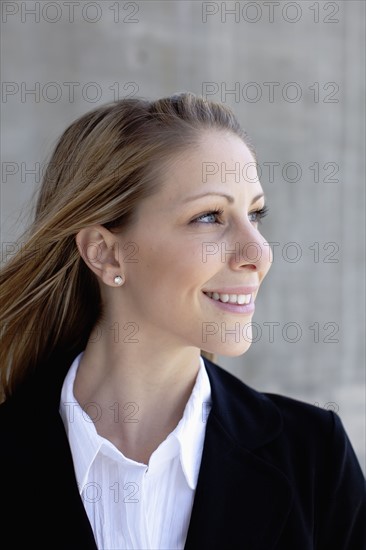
(118, 280)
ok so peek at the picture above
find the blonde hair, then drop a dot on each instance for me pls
(103, 165)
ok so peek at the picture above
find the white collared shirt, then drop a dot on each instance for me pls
(131, 505)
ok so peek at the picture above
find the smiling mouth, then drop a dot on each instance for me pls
(238, 299)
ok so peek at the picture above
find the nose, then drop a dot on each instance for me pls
(250, 251)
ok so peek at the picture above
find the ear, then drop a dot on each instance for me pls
(99, 249)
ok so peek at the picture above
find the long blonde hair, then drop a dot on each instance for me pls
(102, 166)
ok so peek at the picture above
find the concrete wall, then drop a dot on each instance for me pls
(294, 73)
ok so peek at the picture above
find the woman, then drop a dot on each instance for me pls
(118, 430)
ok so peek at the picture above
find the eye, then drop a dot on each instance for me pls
(257, 215)
(217, 212)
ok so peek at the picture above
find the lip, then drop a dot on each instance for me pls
(244, 309)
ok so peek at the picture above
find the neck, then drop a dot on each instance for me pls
(138, 392)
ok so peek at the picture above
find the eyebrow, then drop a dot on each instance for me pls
(230, 198)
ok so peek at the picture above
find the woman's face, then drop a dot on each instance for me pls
(179, 250)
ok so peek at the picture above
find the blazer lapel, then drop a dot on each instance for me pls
(239, 495)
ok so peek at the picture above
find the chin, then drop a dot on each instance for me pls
(230, 349)
(236, 352)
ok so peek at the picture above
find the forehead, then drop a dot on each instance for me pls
(219, 158)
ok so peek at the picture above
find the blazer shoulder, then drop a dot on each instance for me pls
(291, 409)
(298, 422)
(7, 411)
(296, 412)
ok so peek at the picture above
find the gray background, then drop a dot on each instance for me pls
(315, 288)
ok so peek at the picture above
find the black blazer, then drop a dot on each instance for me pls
(276, 473)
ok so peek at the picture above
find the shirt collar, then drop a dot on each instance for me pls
(191, 429)
(186, 439)
(79, 428)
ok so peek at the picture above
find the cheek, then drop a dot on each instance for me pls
(182, 261)
(162, 270)
(171, 270)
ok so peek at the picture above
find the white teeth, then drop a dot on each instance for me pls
(240, 299)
